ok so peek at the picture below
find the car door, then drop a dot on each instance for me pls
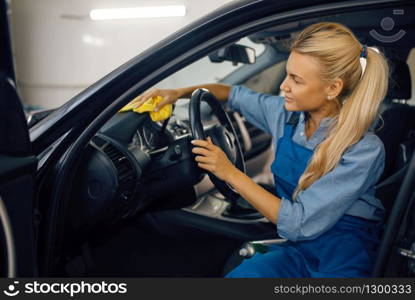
(17, 173)
(17, 181)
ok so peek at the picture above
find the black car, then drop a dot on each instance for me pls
(89, 191)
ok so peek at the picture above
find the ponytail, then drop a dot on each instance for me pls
(338, 52)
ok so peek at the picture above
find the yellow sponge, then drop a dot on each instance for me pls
(149, 105)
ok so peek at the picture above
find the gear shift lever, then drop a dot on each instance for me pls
(238, 211)
(242, 209)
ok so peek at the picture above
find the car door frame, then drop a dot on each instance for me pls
(67, 130)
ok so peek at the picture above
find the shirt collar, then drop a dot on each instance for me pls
(324, 123)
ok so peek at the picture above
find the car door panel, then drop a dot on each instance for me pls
(17, 193)
(17, 178)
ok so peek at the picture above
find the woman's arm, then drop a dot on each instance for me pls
(213, 159)
(170, 96)
(323, 203)
(265, 202)
(220, 91)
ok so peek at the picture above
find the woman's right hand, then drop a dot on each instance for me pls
(169, 96)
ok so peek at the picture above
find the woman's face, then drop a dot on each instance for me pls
(303, 88)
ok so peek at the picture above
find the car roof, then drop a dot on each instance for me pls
(368, 26)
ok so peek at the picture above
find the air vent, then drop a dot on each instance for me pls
(122, 164)
(259, 140)
(237, 130)
(99, 142)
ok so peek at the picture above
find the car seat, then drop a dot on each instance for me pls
(396, 130)
(397, 117)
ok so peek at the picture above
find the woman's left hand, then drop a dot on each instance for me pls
(212, 158)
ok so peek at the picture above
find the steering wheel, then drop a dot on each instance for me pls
(220, 136)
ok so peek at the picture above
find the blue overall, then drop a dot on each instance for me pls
(348, 249)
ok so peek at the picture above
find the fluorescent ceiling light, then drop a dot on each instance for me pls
(138, 12)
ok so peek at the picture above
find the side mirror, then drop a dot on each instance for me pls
(234, 53)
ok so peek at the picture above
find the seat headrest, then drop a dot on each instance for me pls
(399, 81)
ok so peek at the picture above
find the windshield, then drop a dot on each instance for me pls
(204, 71)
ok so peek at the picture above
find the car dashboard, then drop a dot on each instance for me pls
(133, 162)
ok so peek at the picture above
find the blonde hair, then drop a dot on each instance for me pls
(337, 51)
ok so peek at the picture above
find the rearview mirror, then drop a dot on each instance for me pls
(234, 53)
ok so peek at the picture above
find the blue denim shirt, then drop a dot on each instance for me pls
(347, 189)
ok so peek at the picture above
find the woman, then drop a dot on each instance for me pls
(327, 161)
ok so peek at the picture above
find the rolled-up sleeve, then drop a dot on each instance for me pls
(264, 111)
(324, 202)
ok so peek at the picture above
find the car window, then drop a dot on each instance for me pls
(204, 71)
(269, 80)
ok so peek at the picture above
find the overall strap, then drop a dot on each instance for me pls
(290, 160)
